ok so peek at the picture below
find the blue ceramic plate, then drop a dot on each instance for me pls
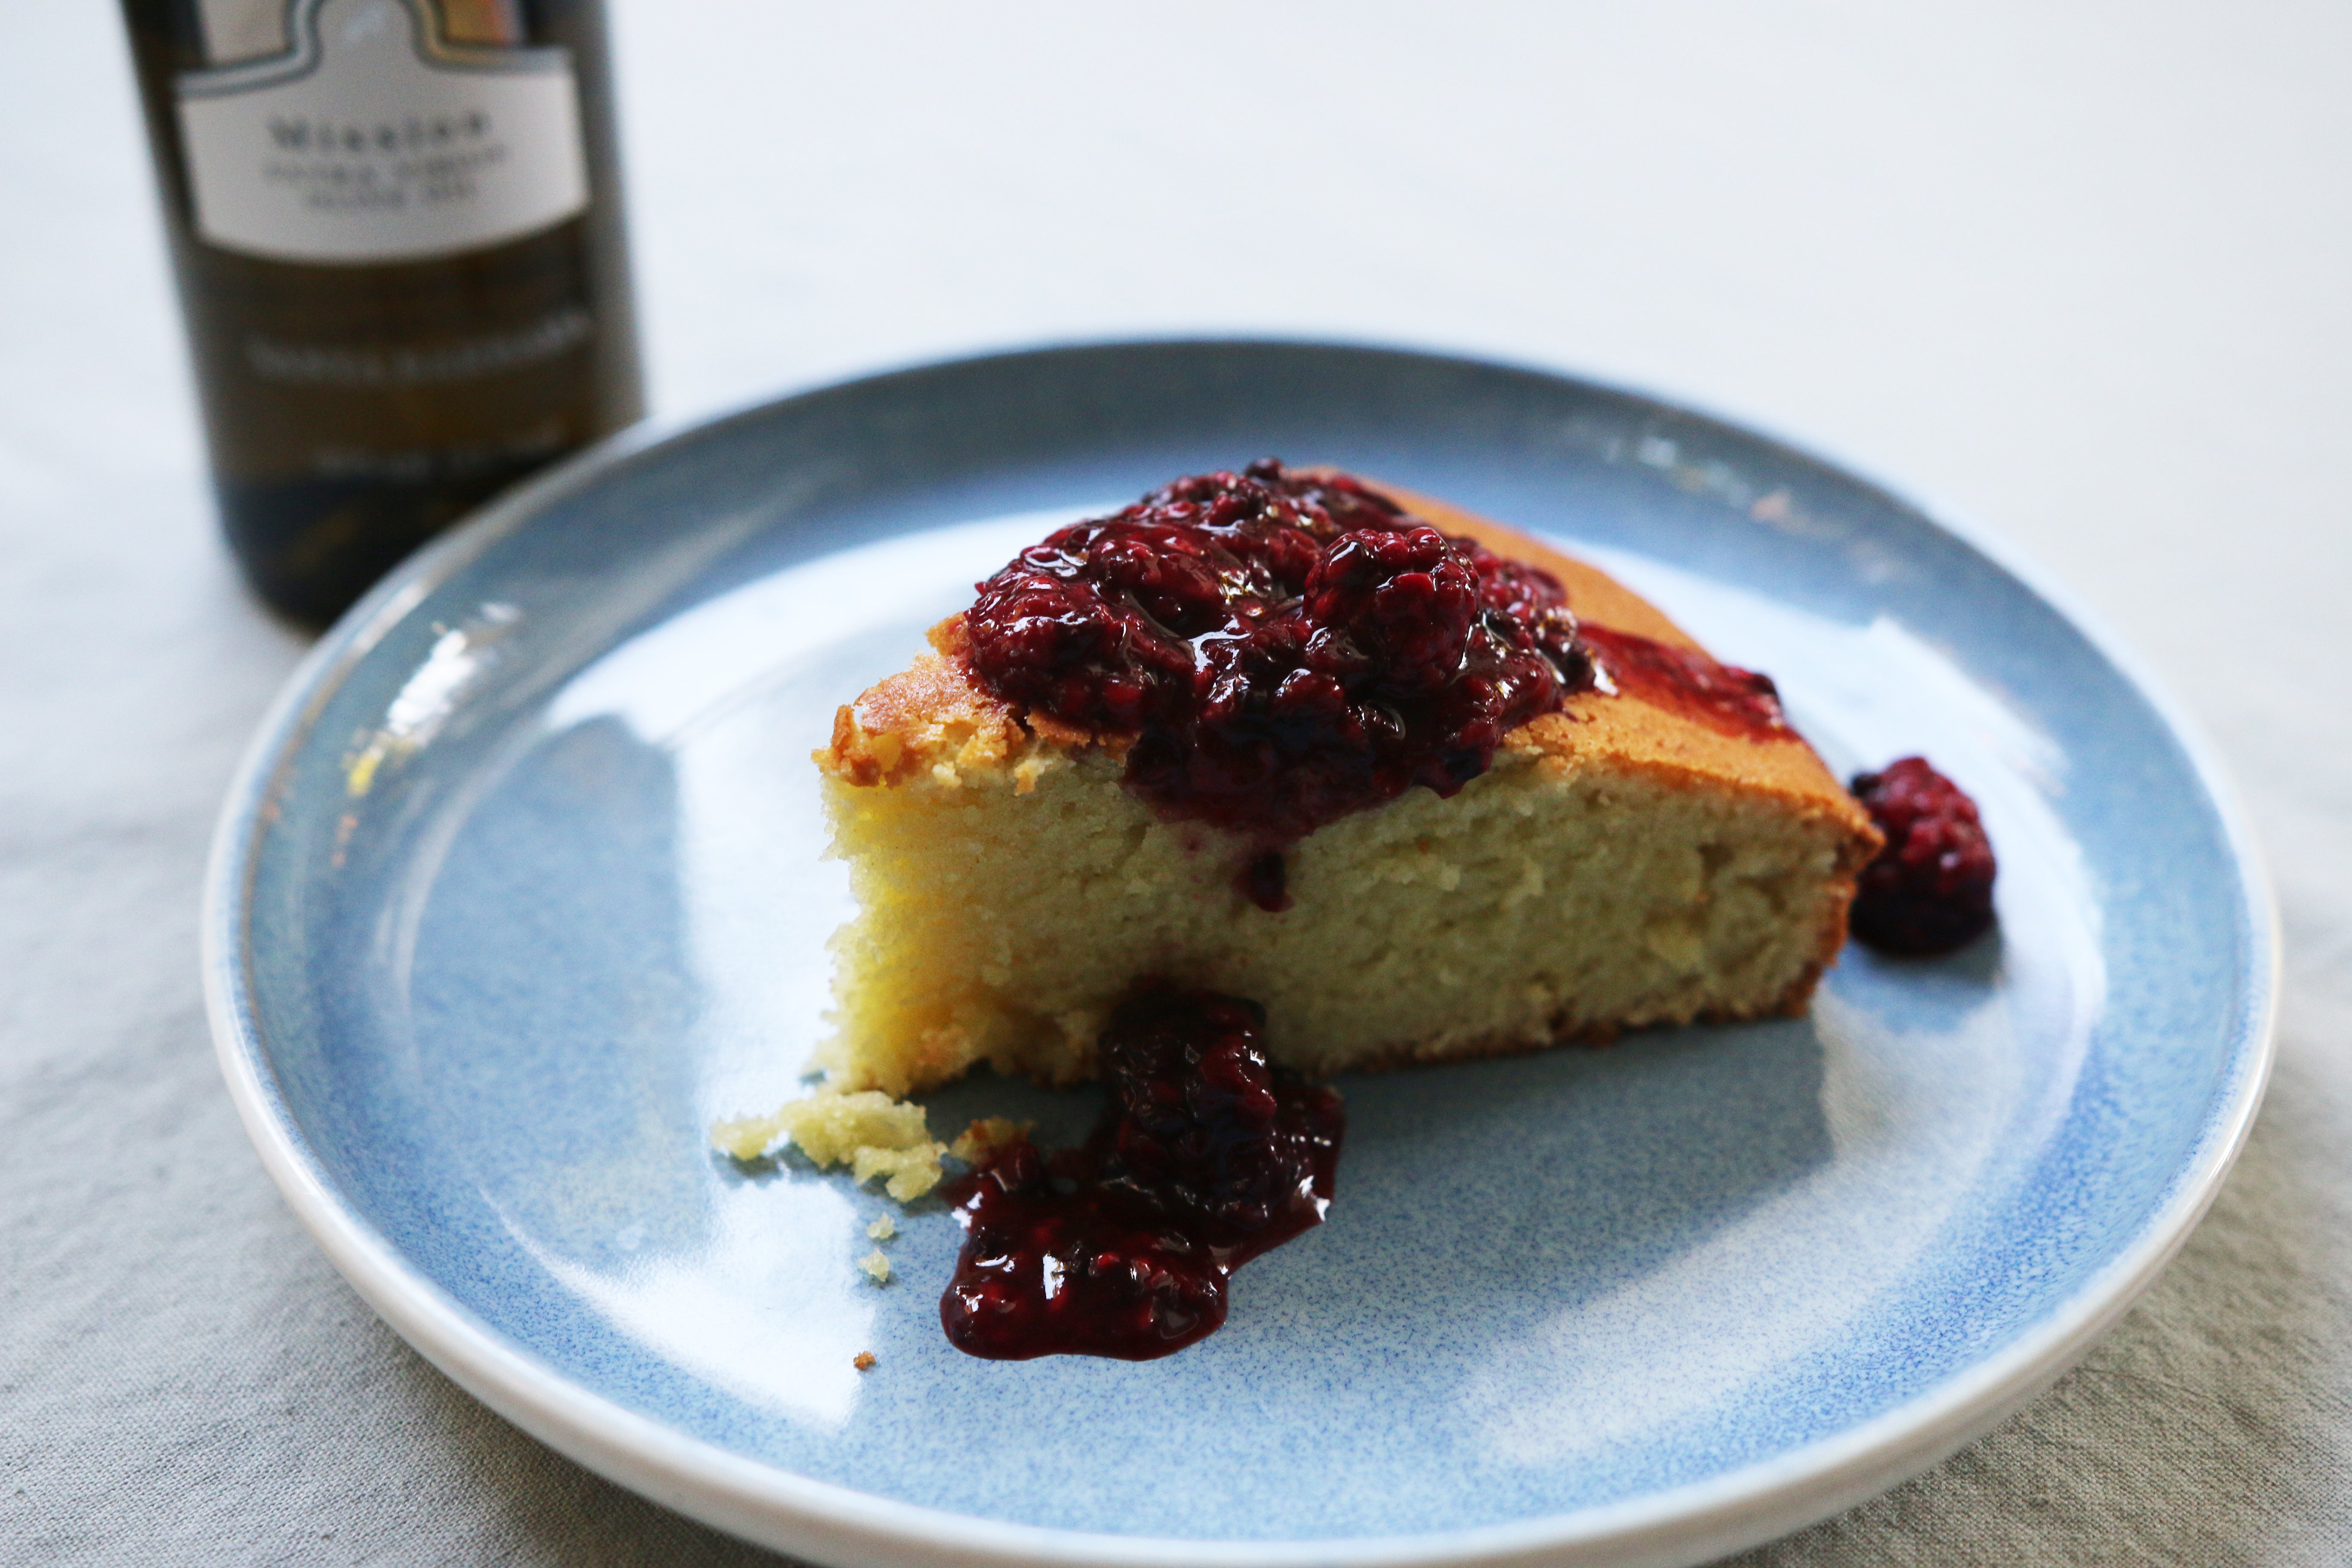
(523, 888)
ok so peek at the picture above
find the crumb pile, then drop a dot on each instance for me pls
(872, 1134)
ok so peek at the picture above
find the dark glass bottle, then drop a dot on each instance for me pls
(397, 228)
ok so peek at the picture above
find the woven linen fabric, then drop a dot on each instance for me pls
(2083, 268)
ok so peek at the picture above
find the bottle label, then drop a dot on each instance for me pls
(372, 138)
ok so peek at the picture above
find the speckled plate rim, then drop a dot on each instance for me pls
(838, 1525)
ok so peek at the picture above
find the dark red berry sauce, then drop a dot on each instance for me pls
(1721, 696)
(1205, 1157)
(1281, 649)
(1930, 889)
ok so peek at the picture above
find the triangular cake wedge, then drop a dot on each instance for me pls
(1627, 860)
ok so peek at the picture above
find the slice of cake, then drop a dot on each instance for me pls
(1418, 785)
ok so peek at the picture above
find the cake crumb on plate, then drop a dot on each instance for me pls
(872, 1134)
(985, 1136)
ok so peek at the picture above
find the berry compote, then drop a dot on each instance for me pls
(1279, 649)
(1206, 1156)
(1930, 889)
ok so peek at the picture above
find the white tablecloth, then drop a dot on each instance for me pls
(2085, 272)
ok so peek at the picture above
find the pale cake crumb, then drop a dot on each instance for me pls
(747, 1137)
(876, 1267)
(872, 1134)
(987, 1135)
(882, 1229)
(1564, 899)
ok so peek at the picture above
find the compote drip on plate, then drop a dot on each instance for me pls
(1205, 1157)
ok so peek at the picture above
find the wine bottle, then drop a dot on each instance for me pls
(396, 229)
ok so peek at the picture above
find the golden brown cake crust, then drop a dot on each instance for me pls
(1791, 1004)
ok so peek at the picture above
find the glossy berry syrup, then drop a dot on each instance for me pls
(1280, 650)
(1721, 696)
(1930, 889)
(1205, 1157)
